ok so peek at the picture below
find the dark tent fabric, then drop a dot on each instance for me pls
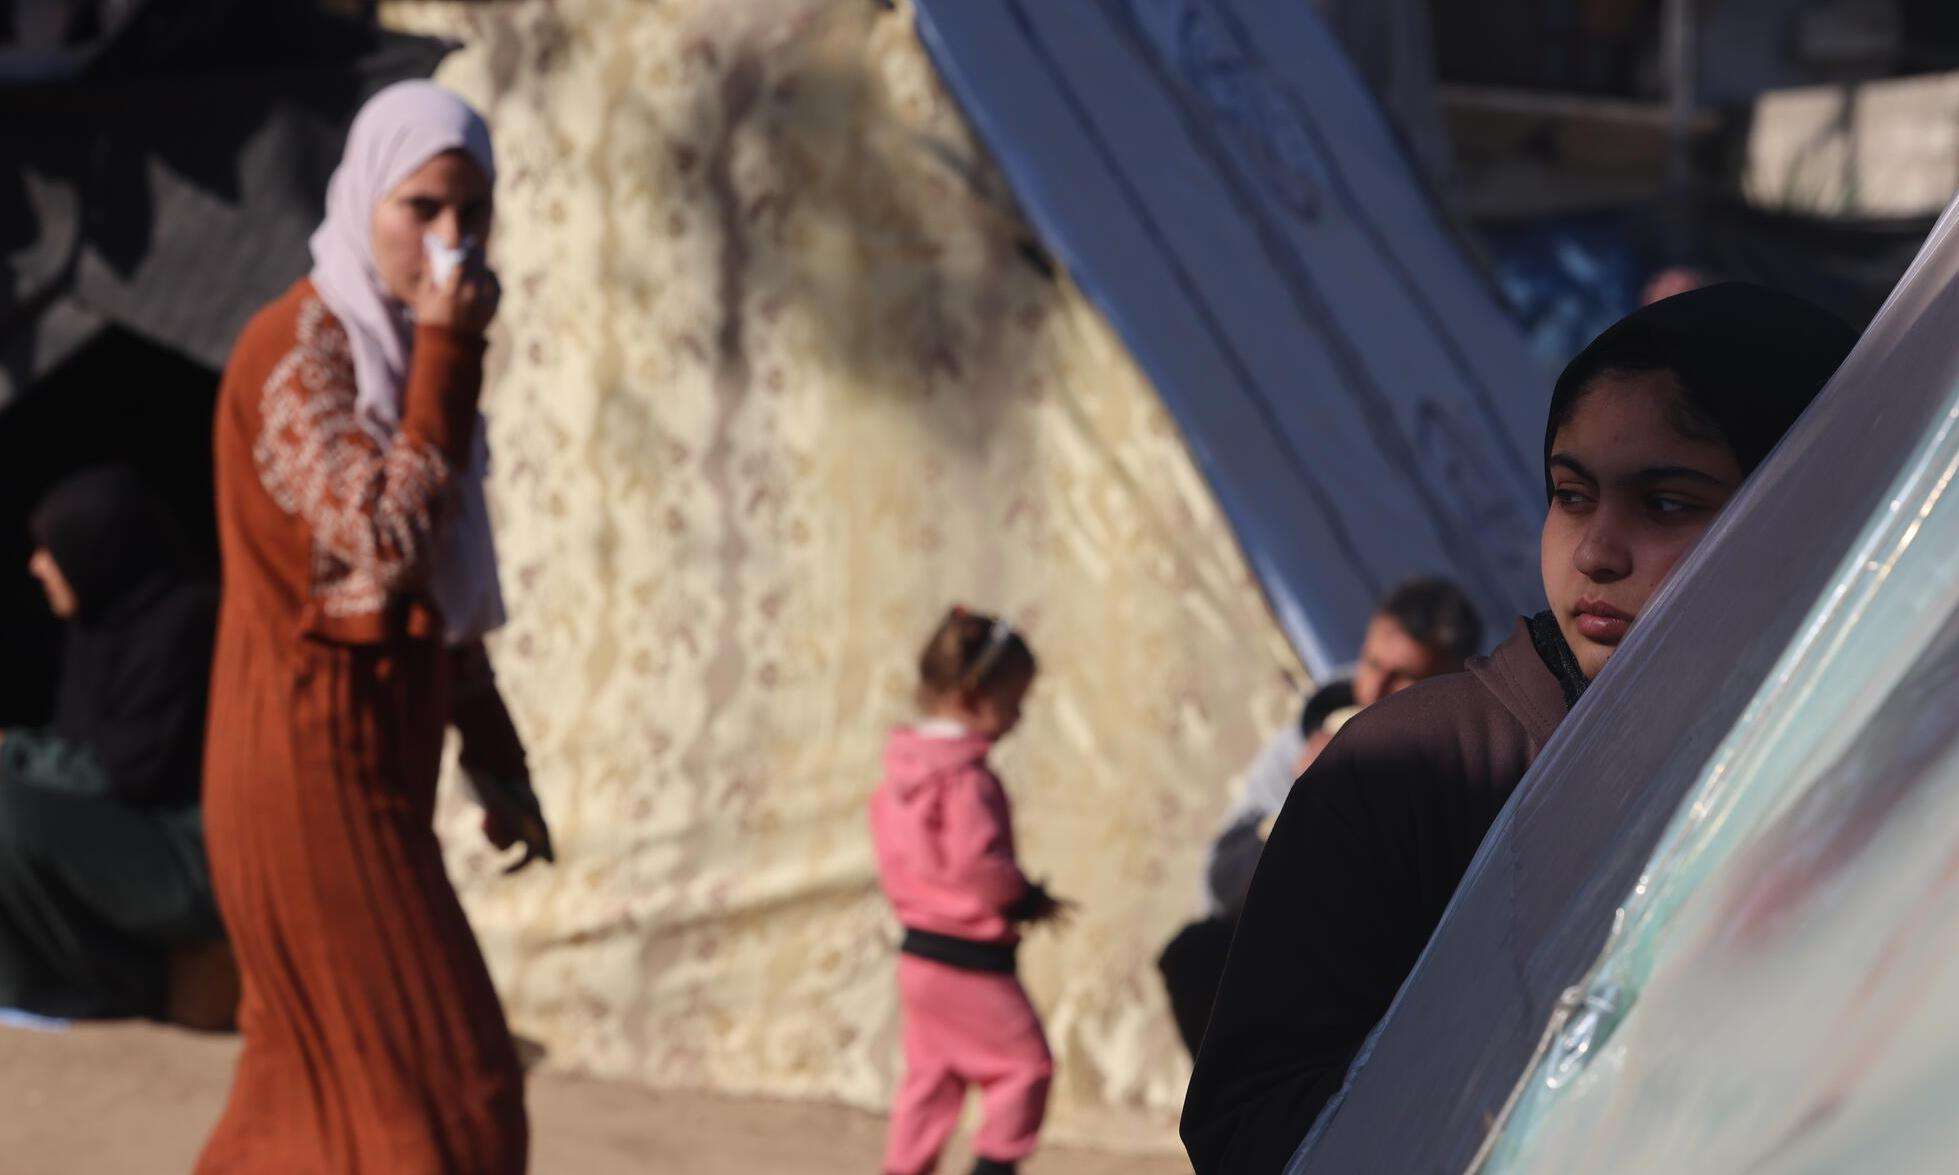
(175, 201)
(159, 178)
(1541, 896)
(48, 42)
(1221, 183)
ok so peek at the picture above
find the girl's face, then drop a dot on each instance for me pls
(448, 196)
(1631, 493)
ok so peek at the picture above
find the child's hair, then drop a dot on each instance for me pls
(1437, 615)
(970, 654)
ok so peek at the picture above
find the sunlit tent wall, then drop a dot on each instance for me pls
(774, 382)
(1750, 813)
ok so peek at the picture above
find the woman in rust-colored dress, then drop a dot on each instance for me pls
(359, 580)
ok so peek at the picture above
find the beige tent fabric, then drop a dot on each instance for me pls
(773, 385)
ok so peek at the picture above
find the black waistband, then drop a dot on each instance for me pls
(963, 953)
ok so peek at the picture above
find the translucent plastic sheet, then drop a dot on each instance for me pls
(1781, 993)
(1733, 729)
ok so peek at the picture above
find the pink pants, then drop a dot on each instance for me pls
(966, 1028)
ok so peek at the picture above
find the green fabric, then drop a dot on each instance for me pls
(43, 759)
(93, 893)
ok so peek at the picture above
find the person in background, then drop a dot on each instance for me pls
(943, 834)
(1652, 430)
(1423, 628)
(1673, 279)
(104, 893)
(359, 581)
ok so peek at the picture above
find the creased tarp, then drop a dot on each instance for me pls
(1218, 179)
(172, 205)
(1541, 895)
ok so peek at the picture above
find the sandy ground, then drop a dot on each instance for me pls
(133, 1099)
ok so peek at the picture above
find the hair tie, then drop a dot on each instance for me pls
(996, 643)
(997, 639)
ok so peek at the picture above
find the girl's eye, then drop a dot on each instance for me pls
(424, 209)
(1570, 499)
(1672, 507)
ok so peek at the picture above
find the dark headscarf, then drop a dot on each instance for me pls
(135, 670)
(1747, 358)
(107, 534)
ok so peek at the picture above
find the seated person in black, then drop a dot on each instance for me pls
(1423, 628)
(1651, 431)
(102, 872)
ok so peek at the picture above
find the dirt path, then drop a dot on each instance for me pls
(129, 1100)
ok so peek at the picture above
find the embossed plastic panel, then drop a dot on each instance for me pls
(1216, 176)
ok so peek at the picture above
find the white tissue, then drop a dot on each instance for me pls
(443, 259)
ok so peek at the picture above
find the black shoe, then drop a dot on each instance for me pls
(986, 1166)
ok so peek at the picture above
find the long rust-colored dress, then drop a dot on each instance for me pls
(374, 1040)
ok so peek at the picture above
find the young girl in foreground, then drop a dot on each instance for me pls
(1651, 431)
(945, 852)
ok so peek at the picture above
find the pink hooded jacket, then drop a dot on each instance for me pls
(944, 838)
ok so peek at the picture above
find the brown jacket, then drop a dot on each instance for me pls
(1354, 879)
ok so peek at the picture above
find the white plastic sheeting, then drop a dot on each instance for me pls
(1781, 993)
(1682, 720)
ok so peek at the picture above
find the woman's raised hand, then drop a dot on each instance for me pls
(464, 299)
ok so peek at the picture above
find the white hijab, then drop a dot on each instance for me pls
(396, 132)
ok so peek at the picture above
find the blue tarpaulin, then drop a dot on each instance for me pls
(1217, 178)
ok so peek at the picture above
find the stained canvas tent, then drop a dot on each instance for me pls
(776, 382)
(1756, 793)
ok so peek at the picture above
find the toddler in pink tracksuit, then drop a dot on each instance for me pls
(945, 854)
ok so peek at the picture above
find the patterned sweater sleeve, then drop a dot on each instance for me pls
(371, 507)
